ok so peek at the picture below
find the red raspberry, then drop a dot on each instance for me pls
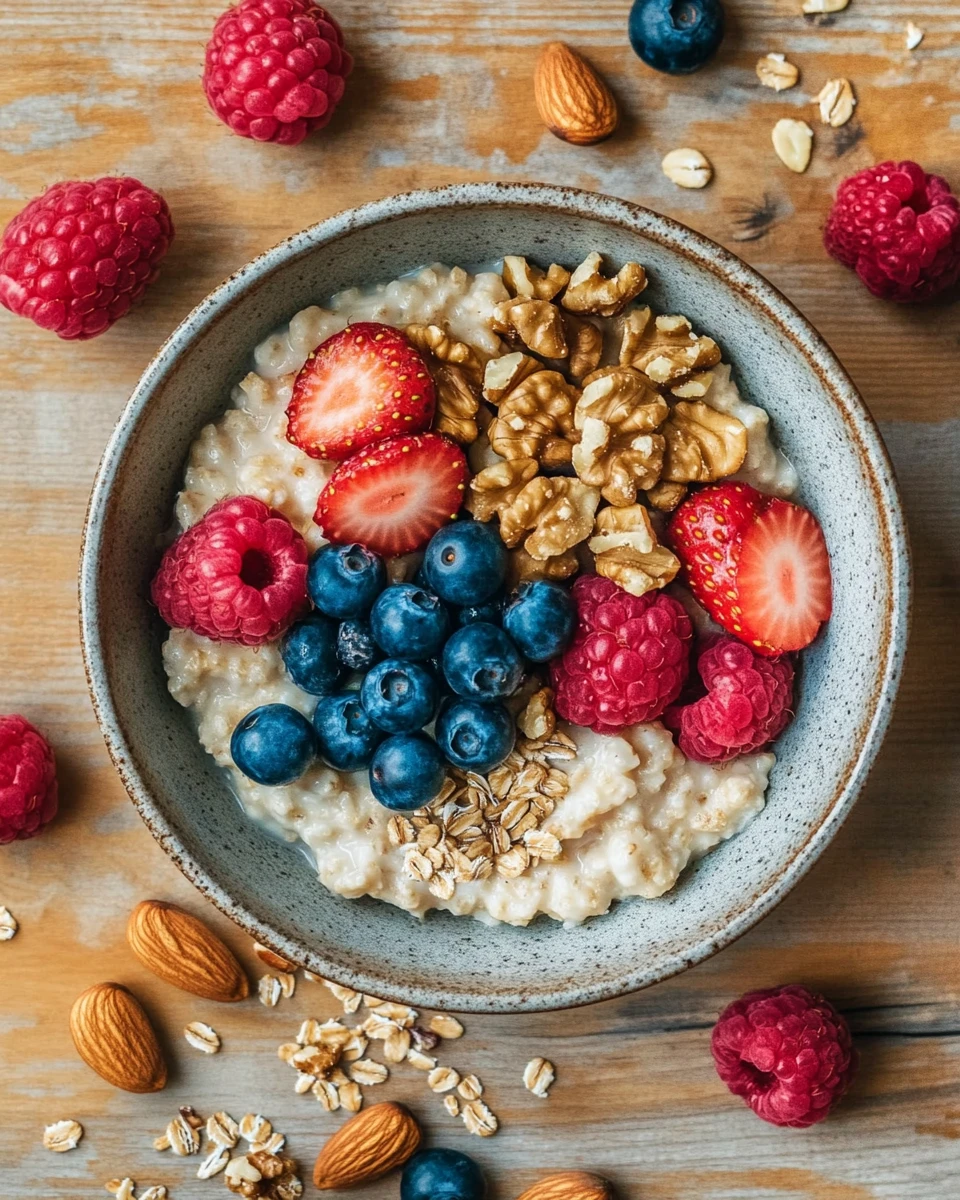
(275, 69)
(28, 780)
(787, 1052)
(899, 229)
(628, 659)
(78, 256)
(747, 705)
(238, 575)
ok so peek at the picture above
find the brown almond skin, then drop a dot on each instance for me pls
(573, 101)
(114, 1037)
(570, 1185)
(375, 1141)
(180, 949)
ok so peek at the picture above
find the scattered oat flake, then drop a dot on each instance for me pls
(269, 990)
(350, 999)
(396, 1045)
(837, 102)
(202, 1037)
(774, 71)
(313, 978)
(327, 1094)
(452, 1105)
(445, 1025)
(254, 1128)
(183, 1138)
(400, 1013)
(8, 924)
(304, 1083)
(121, 1188)
(442, 1079)
(351, 1098)
(372, 1001)
(793, 142)
(687, 168)
(479, 1119)
(914, 35)
(309, 1033)
(824, 6)
(423, 1062)
(538, 1075)
(368, 1072)
(157, 1192)
(288, 984)
(470, 1087)
(273, 1145)
(271, 959)
(223, 1130)
(214, 1163)
(62, 1136)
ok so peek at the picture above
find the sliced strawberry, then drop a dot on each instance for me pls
(783, 579)
(360, 386)
(394, 496)
(758, 565)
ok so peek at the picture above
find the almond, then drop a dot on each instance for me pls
(570, 1185)
(113, 1035)
(573, 101)
(179, 948)
(368, 1146)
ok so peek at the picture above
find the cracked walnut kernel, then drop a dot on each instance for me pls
(665, 349)
(538, 324)
(496, 487)
(502, 375)
(538, 719)
(523, 279)
(703, 444)
(626, 550)
(535, 420)
(457, 405)
(434, 342)
(556, 513)
(666, 496)
(586, 345)
(589, 291)
(521, 566)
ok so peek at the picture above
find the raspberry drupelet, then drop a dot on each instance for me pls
(276, 69)
(238, 575)
(28, 780)
(77, 257)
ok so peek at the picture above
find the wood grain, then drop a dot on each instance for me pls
(443, 92)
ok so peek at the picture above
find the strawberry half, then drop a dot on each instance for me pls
(360, 386)
(394, 496)
(757, 564)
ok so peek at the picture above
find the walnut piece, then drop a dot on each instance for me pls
(536, 420)
(558, 511)
(263, 1176)
(496, 487)
(703, 445)
(521, 566)
(538, 324)
(457, 404)
(665, 349)
(434, 342)
(589, 291)
(538, 720)
(522, 279)
(666, 496)
(626, 550)
(585, 341)
(619, 450)
(503, 374)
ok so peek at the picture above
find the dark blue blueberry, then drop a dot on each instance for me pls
(442, 1175)
(399, 696)
(344, 581)
(465, 562)
(309, 653)
(273, 744)
(676, 36)
(346, 734)
(356, 647)
(540, 617)
(475, 736)
(482, 663)
(407, 771)
(409, 621)
(490, 611)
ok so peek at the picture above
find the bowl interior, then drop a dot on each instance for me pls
(848, 678)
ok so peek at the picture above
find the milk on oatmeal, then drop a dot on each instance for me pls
(637, 812)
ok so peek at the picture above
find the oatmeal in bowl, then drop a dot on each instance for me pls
(488, 590)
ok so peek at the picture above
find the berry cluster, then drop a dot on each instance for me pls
(388, 660)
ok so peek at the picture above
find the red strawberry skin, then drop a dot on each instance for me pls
(362, 385)
(757, 564)
(394, 496)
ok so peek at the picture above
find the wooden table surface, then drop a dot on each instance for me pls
(442, 92)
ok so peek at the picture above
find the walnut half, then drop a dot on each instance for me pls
(556, 514)
(590, 291)
(496, 487)
(521, 566)
(457, 373)
(703, 445)
(535, 420)
(626, 550)
(523, 279)
(665, 348)
(538, 324)
(619, 451)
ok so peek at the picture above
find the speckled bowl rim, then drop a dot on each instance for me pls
(736, 274)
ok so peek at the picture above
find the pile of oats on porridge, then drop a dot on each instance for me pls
(574, 820)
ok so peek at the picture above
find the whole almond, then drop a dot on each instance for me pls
(113, 1035)
(179, 948)
(573, 101)
(370, 1144)
(570, 1185)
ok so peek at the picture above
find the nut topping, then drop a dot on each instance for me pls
(521, 566)
(589, 291)
(522, 279)
(496, 488)
(502, 375)
(703, 444)
(626, 550)
(535, 420)
(538, 324)
(665, 348)
(557, 513)
(586, 345)
(435, 343)
(666, 496)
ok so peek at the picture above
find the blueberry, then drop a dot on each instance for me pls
(356, 647)
(474, 736)
(409, 621)
(406, 771)
(309, 652)
(346, 734)
(344, 581)
(490, 611)
(465, 563)
(676, 36)
(273, 744)
(481, 662)
(540, 617)
(442, 1175)
(399, 696)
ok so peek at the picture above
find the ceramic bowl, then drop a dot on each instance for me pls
(849, 678)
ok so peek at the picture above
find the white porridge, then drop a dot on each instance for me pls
(637, 812)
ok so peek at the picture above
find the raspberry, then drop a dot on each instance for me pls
(787, 1052)
(746, 706)
(628, 659)
(28, 780)
(78, 256)
(238, 575)
(899, 229)
(275, 69)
